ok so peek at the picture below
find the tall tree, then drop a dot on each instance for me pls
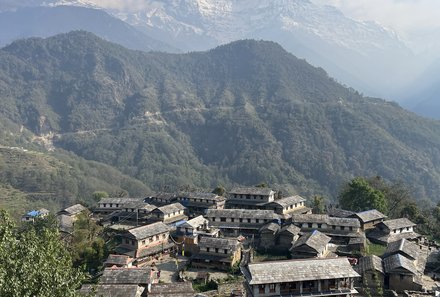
(318, 204)
(35, 263)
(359, 195)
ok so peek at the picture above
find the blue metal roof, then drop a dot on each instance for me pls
(33, 213)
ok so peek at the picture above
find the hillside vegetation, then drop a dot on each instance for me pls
(246, 112)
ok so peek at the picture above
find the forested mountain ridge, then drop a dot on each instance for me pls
(243, 113)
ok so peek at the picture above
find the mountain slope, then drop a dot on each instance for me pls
(48, 21)
(245, 112)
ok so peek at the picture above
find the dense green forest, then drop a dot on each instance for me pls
(242, 113)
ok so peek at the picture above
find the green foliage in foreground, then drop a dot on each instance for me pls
(34, 262)
(375, 249)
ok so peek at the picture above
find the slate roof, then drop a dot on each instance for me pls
(218, 242)
(112, 290)
(403, 246)
(287, 201)
(170, 208)
(241, 213)
(182, 289)
(369, 215)
(298, 270)
(315, 239)
(339, 212)
(251, 191)
(121, 260)
(195, 222)
(395, 263)
(120, 200)
(273, 227)
(291, 228)
(126, 276)
(202, 195)
(369, 263)
(148, 230)
(322, 218)
(163, 195)
(139, 205)
(74, 209)
(398, 223)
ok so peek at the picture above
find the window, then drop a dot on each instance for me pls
(407, 228)
(319, 225)
(395, 231)
(216, 250)
(248, 220)
(164, 236)
(111, 204)
(232, 220)
(207, 249)
(222, 219)
(257, 220)
(261, 289)
(296, 204)
(143, 242)
(241, 220)
(150, 239)
(342, 227)
(272, 288)
(334, 227)
(310, 225)
(402, 276)
(350, 228)
(127, 241)
(226, 251)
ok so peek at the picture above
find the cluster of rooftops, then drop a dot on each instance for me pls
(217, 232)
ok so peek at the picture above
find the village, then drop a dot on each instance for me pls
(251, 242)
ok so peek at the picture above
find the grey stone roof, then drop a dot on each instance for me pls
(112, 290)
(273, 227)
(298, 270)
(403, 246)
(251, 191)
(292, 229)
(126, 276)
(139, 205)
(339, 212)
(287, 201)
(315, 240)
(113, 259)
(74, 209)
(170, 208)
(218, 242)
(241, 213)
(120, 200)
(322, 218)
(397, 262)
(398, 223)
(369, 263)
(163, 196)
(202, 195)
(195, 222)
(183, 289)
(369, 215)
(148, 230)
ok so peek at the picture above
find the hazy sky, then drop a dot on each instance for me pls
(413, 20)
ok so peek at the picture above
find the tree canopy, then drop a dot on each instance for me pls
(359, 195)
(34, 262)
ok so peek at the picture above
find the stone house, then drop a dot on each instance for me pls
(289, 205)
(73, 211)
(401, 274)
(287, 235)
(145, 242)
(392, 230)
(372, 274)
(170, 213)
(339, 229)
(268, 235)
(109, 205)
(32, 215)
(189, 233)
(311, 245)
(118, 261)
(311, 277)
(369, 218)
(216, 252)
(197, 203)
(161, 198)
(233, 222)
(249, 197)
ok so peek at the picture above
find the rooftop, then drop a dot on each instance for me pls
(298, 270)
(398, 223)
(370, 215)
(292, 229)
(112, 290)
(322, 218)
(273, 227)
(241, 213)
(182, 289)
(195, 222)
(120, 200)
(403, 246)
(201, 195)
(36, 213)
(218, 242)
(148, 230)
(170, 208)
(315, 239)
(74, 209)
(369, 263)
(162, 195)
(287, 201)
(397, 262)
(118, 260)
(251, 191)
(126, 276)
